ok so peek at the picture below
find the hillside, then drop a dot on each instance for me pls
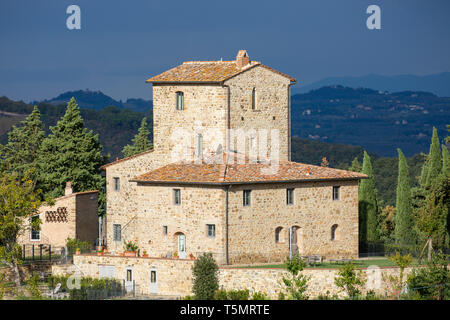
(115, 127)
(97, 100)
(378, 121)
(438, 83)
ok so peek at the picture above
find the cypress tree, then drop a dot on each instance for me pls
(403, 218)
(435, 164)
(368, 211)
(356, 166)
(20, 154)
(424, 172)
(70, 153)
(445, 160)
(141, 142)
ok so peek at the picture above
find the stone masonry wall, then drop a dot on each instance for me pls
(252, 228)
(272, 105)
(200, 205)
(175, 276)
(205, 112)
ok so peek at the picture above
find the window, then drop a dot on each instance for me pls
(333, 232)
(180, 100)
(177, 196)
(289, 196)
(165, 230)
(35, 234)
(336, 193)
(254, 99)
(278, 234)
(129, 275)
(247, 194)
(116, 184)
(211, 230)
(117, 232)
(199, 145)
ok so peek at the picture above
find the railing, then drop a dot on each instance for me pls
(42, 252)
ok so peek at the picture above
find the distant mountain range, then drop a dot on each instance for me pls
(438, 84)
(97, 100)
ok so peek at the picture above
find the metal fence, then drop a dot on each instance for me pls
(42, 252)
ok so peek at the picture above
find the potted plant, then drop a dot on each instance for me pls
(191, 256)
(99, 252)
(77, 251)
(175, 255)
(105, 250)
(131, 249)
(144, 254)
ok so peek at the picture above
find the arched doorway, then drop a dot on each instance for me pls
(294, 241)
(180, 239)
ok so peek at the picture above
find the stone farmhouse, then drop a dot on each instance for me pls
(220, 177)
(73, 215)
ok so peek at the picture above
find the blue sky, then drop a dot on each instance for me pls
(122, 43)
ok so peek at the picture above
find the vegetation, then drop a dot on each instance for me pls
(74, 244)
(20, 154)
(70, 153)
(131, 246)
(297, 283)
(18, 200)
(431, 282)
(239, 295)
(368, 208)
(205, 277)
(404, 224)
(89, 289)
(402, 261)
(349, 280)
(141, 142)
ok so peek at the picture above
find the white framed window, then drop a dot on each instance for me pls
(211, 230)
(116, 184)
(180, 100)
(117, 232)
(177, 197)
(289, 196)
(247, 197)
(35, 235)
(336, 192)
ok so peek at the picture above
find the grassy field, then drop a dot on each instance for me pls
(380, 262)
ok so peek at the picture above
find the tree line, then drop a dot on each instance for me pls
(420, 215)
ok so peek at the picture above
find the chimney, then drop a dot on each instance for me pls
(242, 59)
(68, 190)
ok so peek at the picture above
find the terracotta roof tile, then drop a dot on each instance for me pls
(229, 173)
(206, 71)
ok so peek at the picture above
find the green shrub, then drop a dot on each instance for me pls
(349, 280)
(221, 295)
(205, 277)
(33, 287)
(90, 289)
(238, 295)
(74, 244)
(297, 284)
(259, 296)
(432, 281)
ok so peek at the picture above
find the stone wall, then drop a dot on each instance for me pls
(175, 276)
(269, 281)
(252, 228)
(272, 105)
(205, 112)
